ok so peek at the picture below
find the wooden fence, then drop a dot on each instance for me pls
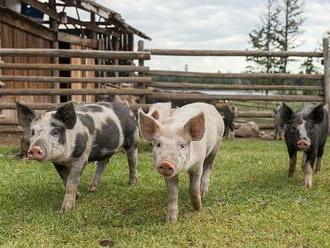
(318, 89)
(143, 78)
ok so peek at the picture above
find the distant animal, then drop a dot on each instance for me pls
(305, 130)
(71, 135)
(278, 124)
(228, 114)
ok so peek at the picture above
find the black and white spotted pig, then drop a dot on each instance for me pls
(72, 135)
(307, 131)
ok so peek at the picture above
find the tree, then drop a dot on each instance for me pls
(264, 39)
(291, 20)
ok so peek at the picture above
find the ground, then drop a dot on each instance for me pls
(251, 203)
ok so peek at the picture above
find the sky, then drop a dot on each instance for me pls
(211, 24)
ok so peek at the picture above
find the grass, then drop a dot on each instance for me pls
(251, 203)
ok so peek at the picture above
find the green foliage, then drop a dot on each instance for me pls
(264, 39)
(251, 203)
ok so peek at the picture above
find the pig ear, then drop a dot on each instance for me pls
(25, 115)
(317, 115)
(67, 114)
(196, 127)
(155, 115)
(148, 126)
(286, 114)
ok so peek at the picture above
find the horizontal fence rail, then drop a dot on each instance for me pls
(71, 67)
(165, 73)
(65, 53)
(221, 86)
(206, 97)
(67, 92)
(76, 80)
(47, 106)
(232, 53)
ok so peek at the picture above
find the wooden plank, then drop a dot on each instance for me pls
(68, 92)
(205, 97)
(65, 53)
(255, 114)
(74, 39)
(230, 86)
(165, 73)
(68, 80)
(25, 24)
(141, 74)
(46, 106)
(71, 67)
(326, 56)
(243, 53)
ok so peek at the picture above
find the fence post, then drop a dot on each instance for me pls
(141, 74)
(326, 57)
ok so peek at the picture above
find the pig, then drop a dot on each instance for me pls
(228, 113)
(278, 124)
(160, 111)
(306, 131)
(186, 141)
(73, 135)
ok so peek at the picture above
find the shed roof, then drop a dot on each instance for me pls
(108, 18)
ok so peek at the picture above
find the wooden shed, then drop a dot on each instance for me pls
(60, 24)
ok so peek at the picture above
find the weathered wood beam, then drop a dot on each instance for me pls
(73, 53)
(206, 97)
(74, 39)
(243, 53)
(73, 67)
(233, 75)
(255, 114)
(326, 56)
(69, 80)
(230, 86)
(69, 92)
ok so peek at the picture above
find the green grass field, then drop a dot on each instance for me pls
(251, 203)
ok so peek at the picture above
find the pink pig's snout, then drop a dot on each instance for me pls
(166, 168)
(36, 152)
(303, 144)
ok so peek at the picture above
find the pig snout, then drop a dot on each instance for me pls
(303, 144)
(36, 152)
(166, 168)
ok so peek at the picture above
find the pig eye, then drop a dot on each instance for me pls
(32, 132)
(182, 146)
(158, 144)
(56, 131)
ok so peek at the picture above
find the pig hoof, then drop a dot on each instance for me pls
(132, 181)
(170, 218)
(308, 184)
(66, 206)
(78, 195)
(204, 189)
(92, 189)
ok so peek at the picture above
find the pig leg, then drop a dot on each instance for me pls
(172, 199)
(132, 157)
(195, 188)
(319, 158)
(101, 165)
(63, 171)
(303, 161)
(207, 168)
(275, 133)
(71, 186)
(308, 172)
(292, 162)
